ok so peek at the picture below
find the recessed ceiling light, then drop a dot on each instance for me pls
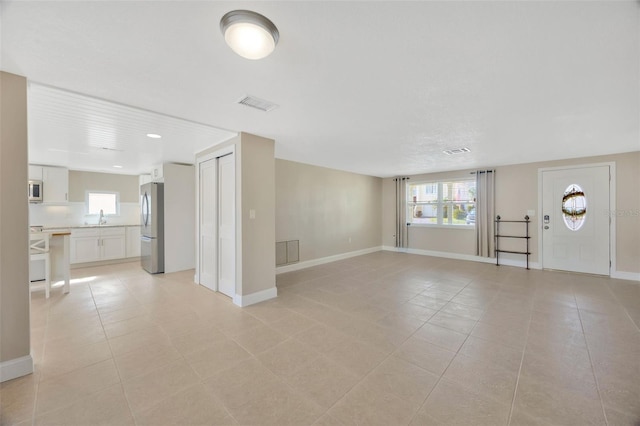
(153, 135)
(117, 167)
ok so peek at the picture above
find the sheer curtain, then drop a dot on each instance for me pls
(485, 213)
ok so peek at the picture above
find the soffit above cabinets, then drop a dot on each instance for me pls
(85, 133)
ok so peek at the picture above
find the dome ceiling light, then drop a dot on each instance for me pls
(249, 34)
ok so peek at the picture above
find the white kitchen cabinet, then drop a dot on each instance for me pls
(35, 172)
(96, 244)
(55, 181)
(133, 241)
(85, 245)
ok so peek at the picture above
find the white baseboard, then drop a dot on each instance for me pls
(323, 260)
(622, 275)
(253, 298)
(15, 368)
(459, 256)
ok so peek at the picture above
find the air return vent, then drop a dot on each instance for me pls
(257, 103)
(456, 151)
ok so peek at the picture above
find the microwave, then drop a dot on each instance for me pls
(35, 191)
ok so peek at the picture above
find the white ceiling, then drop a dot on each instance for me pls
(379, 88)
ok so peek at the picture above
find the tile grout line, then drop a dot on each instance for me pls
(593, 371)
(524, 350)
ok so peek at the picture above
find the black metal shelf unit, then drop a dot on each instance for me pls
(526, 237)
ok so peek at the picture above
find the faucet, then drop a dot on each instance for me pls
(102, 220)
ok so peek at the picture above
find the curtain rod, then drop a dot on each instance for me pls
(482, 171)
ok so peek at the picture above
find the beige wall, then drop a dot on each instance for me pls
(324, 208)
(14, 216)
(80, 182)
(259, 194)
(517, 192)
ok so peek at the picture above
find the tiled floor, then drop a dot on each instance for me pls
(381, 339)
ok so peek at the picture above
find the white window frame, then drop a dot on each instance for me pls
(440, 203)
(88, 210)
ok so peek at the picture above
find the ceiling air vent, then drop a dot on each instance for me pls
(257, 103)
(456, 151)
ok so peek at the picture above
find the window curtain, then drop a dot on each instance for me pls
(401, 212)
(485, 213)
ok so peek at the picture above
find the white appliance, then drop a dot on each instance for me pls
(152, 227)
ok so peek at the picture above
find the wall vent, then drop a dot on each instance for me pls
(257, 103)
(456, 151)
(287, 252)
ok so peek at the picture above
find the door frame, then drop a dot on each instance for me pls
(211, 156)
(612, 204)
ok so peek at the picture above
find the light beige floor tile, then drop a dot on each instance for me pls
(146, 391)
(18, 399)
(324, 310)
(357, 357)
(321, 338)
(281, 406)
(482, 377)
(107, 407)
(563, 373)
(138, 339)
(491, 352)
(503, 334)
(259, 339)
(145, 360)
(428, 302)
(367, 406)
(322, 381)
(65, 389)
(219, 355)
(200, 338)
(443, 337)
(557, 405)
(244, 382)
(403, 379)
(450, 403)
(192, 406)
(292, 324)
(120, 328)
(61, 360)
(453, 322)
(428, 356)
(286, 357)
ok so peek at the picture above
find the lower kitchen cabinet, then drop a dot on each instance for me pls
(96, 244)
(133, 241)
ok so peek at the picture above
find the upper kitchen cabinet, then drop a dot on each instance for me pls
(55, 182)
(35, 172)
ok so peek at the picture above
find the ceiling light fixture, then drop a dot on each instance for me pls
(153, 136)
(249, 34)
(117, 167)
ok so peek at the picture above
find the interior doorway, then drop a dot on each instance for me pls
(216, 258)
(576, 220)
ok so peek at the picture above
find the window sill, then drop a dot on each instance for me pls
(428, 225)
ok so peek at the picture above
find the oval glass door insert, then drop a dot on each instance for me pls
(574, 207)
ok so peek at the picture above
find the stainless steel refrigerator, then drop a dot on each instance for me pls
(152, 226)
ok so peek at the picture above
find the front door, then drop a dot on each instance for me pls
(575, 225)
